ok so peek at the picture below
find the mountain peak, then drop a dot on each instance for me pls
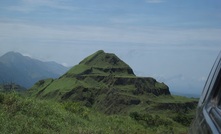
(25, 71)
(11, 57)
(101, 63)
(90, 59)
(104, 60)
(11, 53)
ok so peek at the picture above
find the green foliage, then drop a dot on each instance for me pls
(104, 60)
(28, 115)
(2, 96)
(77, 108)
(155, 122)
(173, 99)
(41, 82)
(102, 64)
(183, 118)
(76, 70)
(31, 115)
(150, 120)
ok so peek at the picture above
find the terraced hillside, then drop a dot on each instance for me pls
(97, 78)
(106, 84)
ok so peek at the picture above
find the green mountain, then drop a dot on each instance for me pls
(99, 95)
(106, 83)
(101, 64)
(25, 71)
(99, 75)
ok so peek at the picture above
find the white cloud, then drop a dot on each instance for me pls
(65, 64)
(146, 35)
(24, 9)
(33, 5)
(26, 54)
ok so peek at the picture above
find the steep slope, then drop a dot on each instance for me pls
(101, 64)
(25, 71)
(101, 80)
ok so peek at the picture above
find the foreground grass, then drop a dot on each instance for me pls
(29, 115)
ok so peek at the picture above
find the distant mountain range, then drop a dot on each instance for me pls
(25, 71)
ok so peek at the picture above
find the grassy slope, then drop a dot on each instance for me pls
(150, 103)
(29, 115)
(64, 84)
(104, 60)
(97, 63)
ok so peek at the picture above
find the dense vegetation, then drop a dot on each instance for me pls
(19, 114)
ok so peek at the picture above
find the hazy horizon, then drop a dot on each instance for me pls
(174, 41)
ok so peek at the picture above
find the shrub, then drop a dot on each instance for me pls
(77, 108)
(1, 97)
(41, 82)
(11, 102)
(183, 119)
(150, 120)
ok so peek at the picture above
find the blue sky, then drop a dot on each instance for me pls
(174, 41)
